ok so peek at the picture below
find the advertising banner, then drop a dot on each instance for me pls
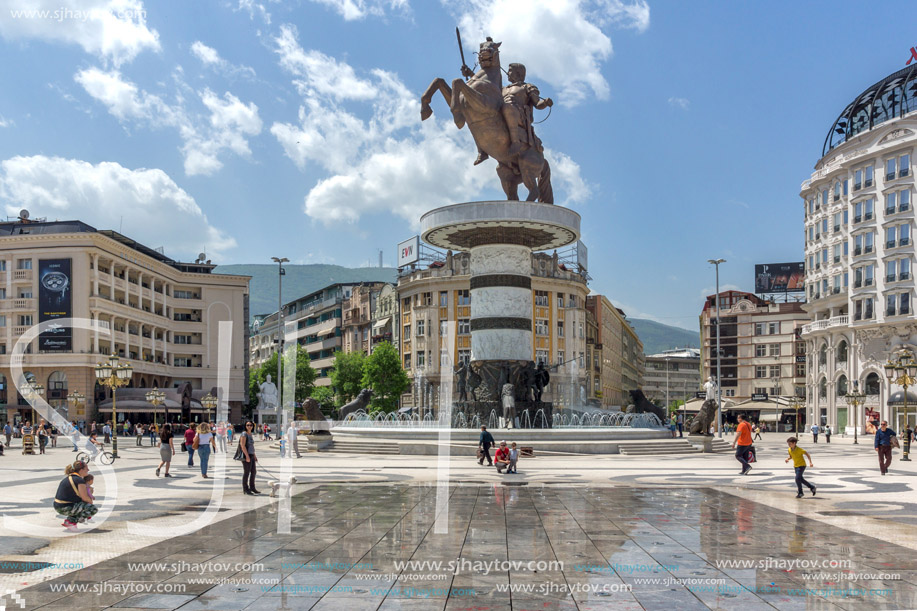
(582, 255)
(759, 396)
(780, 277)
(54, 302)
(409, 251)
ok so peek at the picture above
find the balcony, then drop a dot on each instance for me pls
(821, 325)
(20, 303)
(22, 275)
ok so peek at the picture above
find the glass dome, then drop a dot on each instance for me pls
(893, 96)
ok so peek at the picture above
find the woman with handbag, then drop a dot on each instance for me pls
(166, 449)
(246, 453)
(203, 442)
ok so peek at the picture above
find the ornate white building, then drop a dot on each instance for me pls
(859, 254)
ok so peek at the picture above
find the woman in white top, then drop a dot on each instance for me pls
(203, 443)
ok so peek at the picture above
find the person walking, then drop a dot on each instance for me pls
(42, 433)
(230, 432)
(680, 422)
(757, 432)
(814, 433)
(139, 436)
(249, 470)
(204, 442)
(743, 444)
(885, 439)
(190, 432)
(72, 501)
(293, 441)
(798, 456)
(827, 433)
(166, 449)
(8, 433)
(484, 442)
(221, 437)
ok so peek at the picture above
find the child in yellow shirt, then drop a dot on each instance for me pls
(798, 456)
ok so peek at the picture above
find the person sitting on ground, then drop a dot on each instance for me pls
(513, 458)
(72, 501)
(501, 458)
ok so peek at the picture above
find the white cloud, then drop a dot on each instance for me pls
(682, 103)
(209, 57)
(318, 73)
(254, 8)
(384, 159)
(5, 122)
(155, 210)
(227, 128)
(562, 42)
(358, 9)
(116, 31)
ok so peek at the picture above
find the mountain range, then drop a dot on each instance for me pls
(300, 280)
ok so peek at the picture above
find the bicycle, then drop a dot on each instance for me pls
(104, 456)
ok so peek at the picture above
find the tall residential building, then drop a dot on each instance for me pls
(359, 310)
(619, 352)
(859, 253)
(438, 298)
(672, 375)
(161, 315)
(760, 347)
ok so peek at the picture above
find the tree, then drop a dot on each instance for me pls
(347, 375)
(382, 372)
(305, 376)
(325, 397)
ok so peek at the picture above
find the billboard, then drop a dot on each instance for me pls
(409, 251)
(582, 255)
(54, 302)
(780, 278)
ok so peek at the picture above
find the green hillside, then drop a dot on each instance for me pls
(657, 337)
(299, 280)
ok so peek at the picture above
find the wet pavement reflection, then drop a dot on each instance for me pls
(547, 547)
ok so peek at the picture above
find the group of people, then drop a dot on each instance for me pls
(505, 457)
(204, 438)
(821, 429)
(677, 423)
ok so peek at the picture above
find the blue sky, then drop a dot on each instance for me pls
(248, 129)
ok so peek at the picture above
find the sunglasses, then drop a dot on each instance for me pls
(247, 425)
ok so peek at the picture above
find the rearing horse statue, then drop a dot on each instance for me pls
(478, 103)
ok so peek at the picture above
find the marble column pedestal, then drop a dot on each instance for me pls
(500, 237)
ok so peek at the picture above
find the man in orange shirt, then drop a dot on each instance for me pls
(743, 443)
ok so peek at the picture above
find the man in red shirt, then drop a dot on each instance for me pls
(742, 443)
(501, 458)
(189, 440)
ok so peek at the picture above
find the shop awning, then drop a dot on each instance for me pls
(381, 322)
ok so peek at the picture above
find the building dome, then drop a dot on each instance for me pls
(893, 96)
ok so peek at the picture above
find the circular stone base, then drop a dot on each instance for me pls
(462, 227)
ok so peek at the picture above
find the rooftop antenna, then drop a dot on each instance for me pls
(380, 257)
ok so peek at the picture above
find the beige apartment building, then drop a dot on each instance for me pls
(160, 315)
(672, 375)
(762, 351)
(438, 297)
(360, 323)
(619, 353)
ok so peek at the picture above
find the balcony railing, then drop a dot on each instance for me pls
(821, 325)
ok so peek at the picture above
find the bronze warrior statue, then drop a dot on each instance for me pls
(500, 120)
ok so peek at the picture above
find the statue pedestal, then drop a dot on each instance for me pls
(705, 442)
(500, 237)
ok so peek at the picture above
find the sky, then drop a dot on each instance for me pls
(681, 131)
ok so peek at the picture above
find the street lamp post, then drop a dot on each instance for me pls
(855, 399)
(719, 380)
(796, 407)
(776, 382)
(280, 274)
(114, 376)
(76, 400)
(156, 397)
(31, 391)
(667, 385)
(209, 403)
(901, 369)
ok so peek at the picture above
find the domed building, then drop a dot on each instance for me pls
(859, 254)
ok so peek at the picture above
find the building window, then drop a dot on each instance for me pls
(427, 300)
(541, 327)
(891, 168)
(800, 370)
(760, 350)
(572, 301)
(407, 331)
(24, 264)
(407, 360)
(25, 320)
(729, 392)
(869, 176)
(464, 298)
(560, 328)
(761, 371)
(775, 371)
(541, 298)
(421, 327)
(891, 303)
(421, 358)
(904, 303)
(773, 328)
(2, 265)
(541, 356)
(775, 350)
(890, 275)
(560, 300)
(443, 328)
(443, 299)
(760, 328)
(760, 390)
(464, 356)
(904, 269)
(464, 326)
(560, 357)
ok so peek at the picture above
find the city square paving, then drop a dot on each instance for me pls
(587, 532)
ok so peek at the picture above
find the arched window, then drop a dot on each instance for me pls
(872, 384)
(57, 381)
(842, 352)
(823, 388)
(823, 355)
(841, 386)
